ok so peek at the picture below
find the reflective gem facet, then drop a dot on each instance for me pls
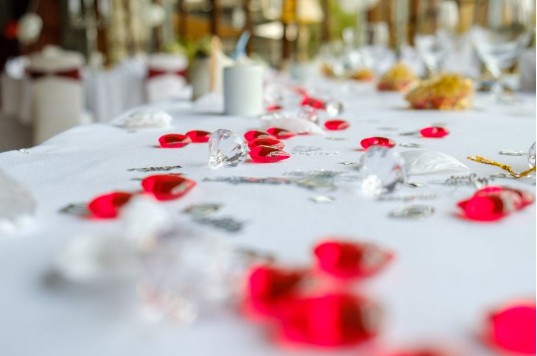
(333, 108)
(271, 142)
(350, 259)
(107, 206)
(434, 132)
(266, 154)
(253, 134)
(412, 212)
(309, 114)
(199, 136)
(531, 155)
(336, 125)
(377, 141)
(381, 169)
(226, 149)
(512, 328)
(280, 133)
(336, 319)
(167, 186)
(174, 141)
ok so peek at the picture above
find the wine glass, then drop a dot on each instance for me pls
(435, 30)
(501, 31)
(376, 52)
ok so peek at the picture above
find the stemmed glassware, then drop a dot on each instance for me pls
(501, 31)
(435, 32)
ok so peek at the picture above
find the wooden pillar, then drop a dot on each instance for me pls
(326, 24)
(183, 25)
(248, 25)
(214, 17)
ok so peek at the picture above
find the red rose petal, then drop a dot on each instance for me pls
(167, 186)
(422, 352)
(337, 319)
(482, 208)
(377, 141)
(272, 108)
(266, 154)
(199, 136)
(434, 132)
(174, 141)
(271, 142)
(253, 134)
(314, 103)
(512, 328)
(336, 125)
(268, 287)
(106, 206)
(279, 133)
(349, 259)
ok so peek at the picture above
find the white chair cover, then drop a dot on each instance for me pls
(57, 100)
(166, 76)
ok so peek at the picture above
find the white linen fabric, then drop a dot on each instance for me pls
(447, 273)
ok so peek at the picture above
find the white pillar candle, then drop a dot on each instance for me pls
(243, 90)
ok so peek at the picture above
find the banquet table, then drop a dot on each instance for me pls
(448, 272)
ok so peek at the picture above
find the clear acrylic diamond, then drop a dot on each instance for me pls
(226, 149)
(333, 108)
(381, 169)
(531, 155)
(309, 114)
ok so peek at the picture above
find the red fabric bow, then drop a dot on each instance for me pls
(68, 73)
(152, 73)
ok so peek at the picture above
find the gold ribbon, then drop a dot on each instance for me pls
(505, 167)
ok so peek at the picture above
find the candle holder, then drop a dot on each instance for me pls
(90, 15)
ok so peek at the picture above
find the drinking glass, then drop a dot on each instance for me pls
(501, 31)
(435, 32)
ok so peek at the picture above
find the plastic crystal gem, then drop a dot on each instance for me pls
(333, 108)
(266, 154)
(377, 141)
(313, 102)
(512, 329)
(271, 142)
(198, 136)
(349, 259)
(309, 114)
(167, 186)
(434, 132)
(336, 125)
(106, 206)
(279, 133)
(269, 287)
(226, 149)
(381, 169)
(174, 141)
(337, 319)
(253, 134)
(531, 155)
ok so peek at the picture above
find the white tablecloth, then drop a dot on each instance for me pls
(447, 274)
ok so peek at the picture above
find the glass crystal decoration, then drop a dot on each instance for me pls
(333, 108)
(531, 156)
(309, 114)
(226, 149)
(16, 205)
(381, 169)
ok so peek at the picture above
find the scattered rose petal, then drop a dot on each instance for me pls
(349, 259)
(377, 141)
(434, 132)
(313, 102)
(199, 136)
(336, 125)
(266, 154)
(253, 134)
(271, 142)
(167, 186)
(512, 328)
(107, 206)
(174, 141)
(280, 133)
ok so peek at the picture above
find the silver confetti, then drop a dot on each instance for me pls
(347, 163)
(471, 180)
(202, 209)
(511, 153)
(154, 169)
(410, 145)
(407, 198)
(227, 224)
(387, 128)
(24, 150)
(79, 209)
(312, 151)
(333, 138)
(415, 185)
(322, 199)
(410, 133)
(412, 212)
(249, 180)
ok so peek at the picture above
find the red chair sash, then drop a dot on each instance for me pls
(153, 72)
(74, 74)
